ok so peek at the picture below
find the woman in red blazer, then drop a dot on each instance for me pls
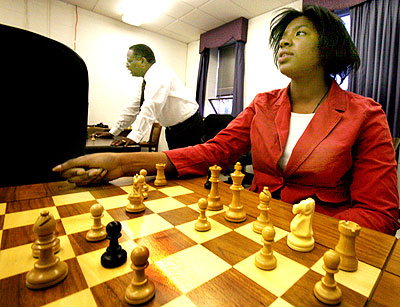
(311, 139)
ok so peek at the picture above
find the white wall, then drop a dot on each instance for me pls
(261, 74)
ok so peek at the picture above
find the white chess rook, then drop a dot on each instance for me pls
(160, 177)
(346, 247)
(214, 200)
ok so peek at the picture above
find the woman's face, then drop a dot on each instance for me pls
(298, 54)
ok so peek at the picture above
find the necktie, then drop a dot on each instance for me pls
(142, 96)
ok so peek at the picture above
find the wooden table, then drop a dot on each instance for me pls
(103, 145)
(388, 290)
(373, 248)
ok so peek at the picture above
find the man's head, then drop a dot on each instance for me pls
(139, 59)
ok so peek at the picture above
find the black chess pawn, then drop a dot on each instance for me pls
(114, 256)
(207, 184)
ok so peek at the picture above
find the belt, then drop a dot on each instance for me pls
(185, 122)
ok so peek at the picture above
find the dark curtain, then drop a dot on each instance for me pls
(238, 82)
(202, 79)
(375, 30)
(334, 4)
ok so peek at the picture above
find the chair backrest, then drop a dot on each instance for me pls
(44, 106)
(154, 138)
(396, 143)
(214, 123)
(155, 133)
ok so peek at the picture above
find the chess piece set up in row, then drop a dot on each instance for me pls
(300, 238)
(49, 270)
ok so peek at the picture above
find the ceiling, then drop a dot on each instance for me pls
(185, 20)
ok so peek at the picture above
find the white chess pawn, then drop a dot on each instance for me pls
(301, 234)
(326, 290)
(202, 224)
(98, 231)
(141, 289)
(265, 259)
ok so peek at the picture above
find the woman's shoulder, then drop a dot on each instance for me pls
(362, 103)
(271, 96)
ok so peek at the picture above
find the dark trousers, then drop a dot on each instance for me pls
(187, 133)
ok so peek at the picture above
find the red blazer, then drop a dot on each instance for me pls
(345, 159)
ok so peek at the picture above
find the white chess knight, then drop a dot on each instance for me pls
(301, 237)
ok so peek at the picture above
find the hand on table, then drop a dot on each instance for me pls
(90, 169)
(123, 141)
(103, 135)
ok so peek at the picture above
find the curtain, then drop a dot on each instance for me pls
(202, 79)
(334, 4)
(238, 82)
(375, 30)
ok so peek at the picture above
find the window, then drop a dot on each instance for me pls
(345, 17)
(220, 99)
(226, 70)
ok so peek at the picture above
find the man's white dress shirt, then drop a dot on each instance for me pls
(166, 100)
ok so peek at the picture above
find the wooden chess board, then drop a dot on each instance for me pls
(188, 268)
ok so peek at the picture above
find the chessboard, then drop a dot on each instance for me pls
(187, 267)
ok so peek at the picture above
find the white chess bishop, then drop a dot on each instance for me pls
(301, 234)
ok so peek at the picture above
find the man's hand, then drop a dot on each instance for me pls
(103, 135)
(123, 141)
(90, 169)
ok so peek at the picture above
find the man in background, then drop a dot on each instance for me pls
(164, 99)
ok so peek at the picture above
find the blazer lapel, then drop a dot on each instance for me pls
(325, 119)
(282, 121)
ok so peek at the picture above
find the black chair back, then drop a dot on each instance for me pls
(44, 97)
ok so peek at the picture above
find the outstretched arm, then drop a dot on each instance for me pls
(109, 166)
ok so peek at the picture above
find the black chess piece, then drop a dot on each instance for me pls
(114, 256)
(207, 185)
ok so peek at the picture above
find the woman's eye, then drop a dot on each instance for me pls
(299, 33)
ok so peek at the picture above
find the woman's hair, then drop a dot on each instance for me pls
(337, 51)
(141, 50)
